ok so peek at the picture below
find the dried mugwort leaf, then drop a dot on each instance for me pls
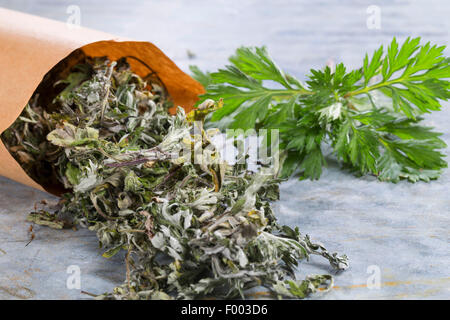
(152, 184)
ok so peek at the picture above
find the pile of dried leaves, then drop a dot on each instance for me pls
(191, 225)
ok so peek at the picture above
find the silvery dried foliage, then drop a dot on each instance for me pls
(192, 226)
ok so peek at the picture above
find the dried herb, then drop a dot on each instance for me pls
(192, 225)
(371, 116)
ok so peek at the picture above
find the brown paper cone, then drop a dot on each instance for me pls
(31, 46)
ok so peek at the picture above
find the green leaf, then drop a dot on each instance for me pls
(290, 164)
(257, 63)
(358, 146)
(312, 164)
(407, 129)
(413, 76)
(203, 77)
(253, 113)
(370, 69)
(388, 168)
(281, 113)
(112, 252)
(244, 82)
(371, 134)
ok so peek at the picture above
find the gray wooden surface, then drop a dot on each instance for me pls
(401, 229)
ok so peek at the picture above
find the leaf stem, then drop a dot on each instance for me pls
(283, 93)
(374, 87)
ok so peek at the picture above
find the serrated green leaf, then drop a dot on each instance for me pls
(203, 77)
(73, 174)
(312, 164)
(373, 123)
(253, 112)
(290, 164)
